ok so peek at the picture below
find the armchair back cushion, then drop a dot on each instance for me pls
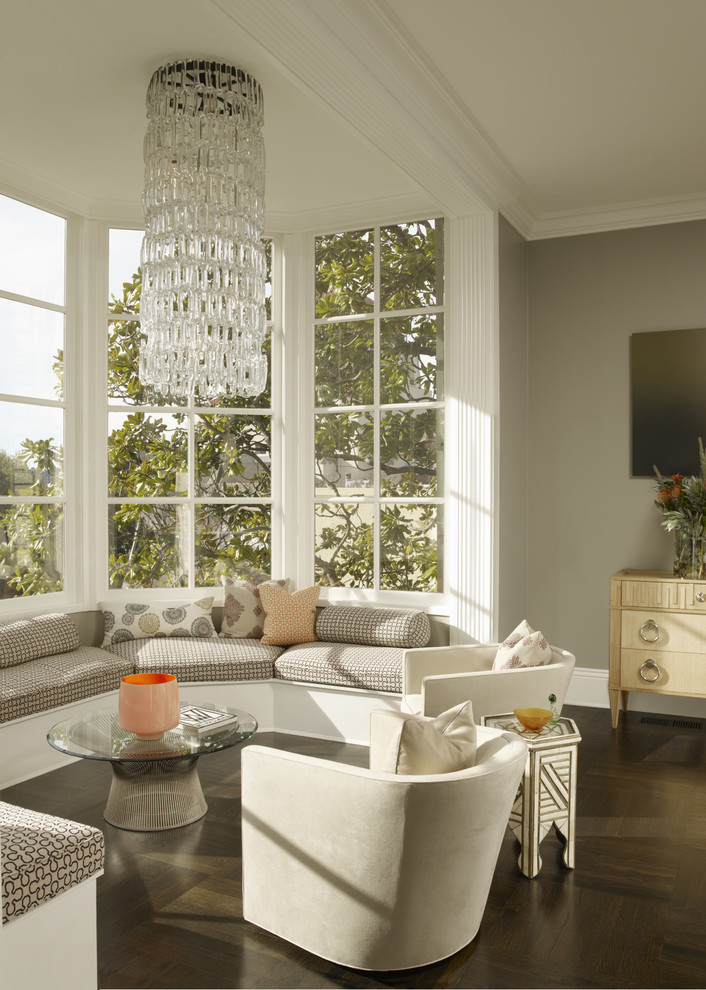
(30, 639)
(438, 745)
(366, 625)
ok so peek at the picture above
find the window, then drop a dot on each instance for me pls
(32, 406)
(378, 417)
(189, 486)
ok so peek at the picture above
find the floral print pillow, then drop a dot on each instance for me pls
(157, 619)
(523, 648)
(243, 614)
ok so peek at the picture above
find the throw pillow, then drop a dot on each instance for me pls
(523, 648)
(438, 745)
(243, 612)
(290, 618)
(30, 639)
(373, 625)
(159, 619)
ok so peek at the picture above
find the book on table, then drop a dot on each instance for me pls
(205, 719)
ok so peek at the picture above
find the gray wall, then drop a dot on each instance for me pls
(586, 517)
(512, 429)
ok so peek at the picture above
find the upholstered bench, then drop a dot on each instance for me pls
(48, 872)
(44, 666)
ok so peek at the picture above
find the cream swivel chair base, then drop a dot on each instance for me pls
(437, 678)
(369, 869)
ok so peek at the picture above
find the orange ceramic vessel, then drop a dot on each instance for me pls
(533, 719)
(148, 704)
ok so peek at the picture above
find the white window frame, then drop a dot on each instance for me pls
(70, 596)
(432, 602)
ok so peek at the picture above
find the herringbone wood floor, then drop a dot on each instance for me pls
(632, 914)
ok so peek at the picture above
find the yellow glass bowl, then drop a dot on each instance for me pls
(533, 719)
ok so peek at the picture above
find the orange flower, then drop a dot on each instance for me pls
(677, 478)
(663, 495)
(675, 491)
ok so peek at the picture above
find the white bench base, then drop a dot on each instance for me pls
(321, 711)
(54, 944)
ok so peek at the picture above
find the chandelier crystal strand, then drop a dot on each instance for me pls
(203, 259)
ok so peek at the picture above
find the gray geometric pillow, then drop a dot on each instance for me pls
(30, 639)
(142, 620)
(374, 625)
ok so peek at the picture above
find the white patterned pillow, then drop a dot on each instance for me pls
(523, 648)
(243, 612)
(159, 619)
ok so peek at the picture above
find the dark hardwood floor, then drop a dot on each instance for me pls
(632, 913)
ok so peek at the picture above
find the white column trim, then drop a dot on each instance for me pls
(471, 363)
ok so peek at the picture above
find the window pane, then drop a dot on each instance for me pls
(232, 455)
(123, 270)
(344, 452)
(411, 359)
(32, 249)
(124, 383)
(31, 549)
(412, 265)
(411, 452)
(344, 555)
(147, 546)
(147, 455)
(32, 341)
(344, 364)
(232, 541)
(345, 273)
(35, 434)
(410, 543)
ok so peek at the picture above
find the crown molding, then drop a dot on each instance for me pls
(648, 213)
(390, 209)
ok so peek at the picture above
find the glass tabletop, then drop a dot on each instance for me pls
(98, 736)
(508, 722)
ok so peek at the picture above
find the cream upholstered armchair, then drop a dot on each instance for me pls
(435, 678)
(370, 869)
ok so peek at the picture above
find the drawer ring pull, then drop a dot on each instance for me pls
(650, 626)
(652, 666)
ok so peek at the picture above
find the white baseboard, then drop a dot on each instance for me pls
(589, 687)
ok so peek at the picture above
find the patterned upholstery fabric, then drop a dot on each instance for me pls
(198, 660)
(373, 626)
(41, 856)
(289, 618)
(142, 620)
(243, 612)
(56, 680)
(376, 668)
(29, 639)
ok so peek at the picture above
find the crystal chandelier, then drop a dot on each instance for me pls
(203, 260)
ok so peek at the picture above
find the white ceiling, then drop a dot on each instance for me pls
(567, 114)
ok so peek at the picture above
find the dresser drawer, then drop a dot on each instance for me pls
(654, 594)
(695, 596)
(659, 631)
(674, 673)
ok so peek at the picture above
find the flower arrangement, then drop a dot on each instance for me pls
(683, 504)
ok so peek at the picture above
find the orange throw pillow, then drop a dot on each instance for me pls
(291, 618)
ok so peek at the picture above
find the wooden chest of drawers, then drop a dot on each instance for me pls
(657, 636)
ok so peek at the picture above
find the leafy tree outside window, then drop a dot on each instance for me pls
(32, 406)
(189, 486)
(379, 399)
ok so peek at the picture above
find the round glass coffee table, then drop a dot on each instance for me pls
(155, 782)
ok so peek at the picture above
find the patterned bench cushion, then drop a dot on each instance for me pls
(51, 681)
(368, 625)
(201, 660)
(41, 856)
(375, 668)
(29, 639)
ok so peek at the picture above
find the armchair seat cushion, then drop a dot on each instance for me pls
(201, 660)
(374, 668)
(49, 682)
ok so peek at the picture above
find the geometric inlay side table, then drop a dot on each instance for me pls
(547, 792)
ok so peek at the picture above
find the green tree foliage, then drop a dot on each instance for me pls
(411, 370)
(148, 450)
